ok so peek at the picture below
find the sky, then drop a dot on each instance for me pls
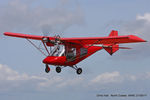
(22, 74)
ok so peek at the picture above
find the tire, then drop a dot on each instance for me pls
(79, 71)
(58, 69)
(47, 69)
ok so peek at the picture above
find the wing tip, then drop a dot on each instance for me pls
(137, 39)
(6, 33)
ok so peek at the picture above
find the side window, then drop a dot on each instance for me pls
(71, 53)
(83, 51)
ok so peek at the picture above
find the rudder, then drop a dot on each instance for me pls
(113, 33)
(112, 48)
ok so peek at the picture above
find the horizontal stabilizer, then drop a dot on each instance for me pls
(112, 49)
(115, 47)
(124, 48)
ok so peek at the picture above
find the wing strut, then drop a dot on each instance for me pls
(36, 47)
(46, 48)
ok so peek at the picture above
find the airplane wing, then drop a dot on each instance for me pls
(20, 35)
(27, 36)
(104, 40)
(110, 43)
(111, 39)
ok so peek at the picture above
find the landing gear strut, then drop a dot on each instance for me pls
(47, 69)
(78, 70)
(58, 69)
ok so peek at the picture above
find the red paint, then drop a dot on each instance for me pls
(54, 60)
(111, 48)
(110, 44)
(84, 40)
(62, 60)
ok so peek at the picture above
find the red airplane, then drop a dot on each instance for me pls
(63, 52)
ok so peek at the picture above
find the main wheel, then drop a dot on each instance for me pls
(58, 69)
(47, 69)
(79, 71)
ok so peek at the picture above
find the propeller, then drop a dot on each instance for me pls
(55, 31)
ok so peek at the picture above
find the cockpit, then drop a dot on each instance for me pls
(69, 52)
(58, 50)
(61, 50)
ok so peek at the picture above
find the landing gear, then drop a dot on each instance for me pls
(78, 70)
(47, 69)
(58, 69)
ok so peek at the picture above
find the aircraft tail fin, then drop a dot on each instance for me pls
(112, 48)
(113, 33)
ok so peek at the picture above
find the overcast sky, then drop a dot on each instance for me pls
(22, 74)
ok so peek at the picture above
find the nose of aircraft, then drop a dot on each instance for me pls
(53, 60)
(49, 60)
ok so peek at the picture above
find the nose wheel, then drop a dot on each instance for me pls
(47, 69)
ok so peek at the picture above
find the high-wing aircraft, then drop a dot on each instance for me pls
(63, 52)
